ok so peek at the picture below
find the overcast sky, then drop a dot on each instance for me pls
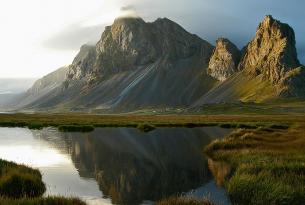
(39, 36)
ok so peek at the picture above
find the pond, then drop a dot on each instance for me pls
(119, 165)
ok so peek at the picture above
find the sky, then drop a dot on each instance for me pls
(39, 36)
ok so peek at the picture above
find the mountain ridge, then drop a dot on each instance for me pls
(159, 64)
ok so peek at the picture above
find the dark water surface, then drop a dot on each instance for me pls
(120, 165)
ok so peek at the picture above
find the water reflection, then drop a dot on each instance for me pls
(126, 165)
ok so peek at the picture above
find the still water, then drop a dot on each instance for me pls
(120, 165)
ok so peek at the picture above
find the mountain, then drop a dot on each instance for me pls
(272, 54)
(135, 64)
(138, 64)
(268, 69)
(224, 61)
(49, 82)
(41, 88)
(11, 88)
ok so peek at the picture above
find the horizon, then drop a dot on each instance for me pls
(57, 38)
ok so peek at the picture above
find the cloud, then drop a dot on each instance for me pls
(73, 36)
(128, 8)
(128, 11)
(206, 18)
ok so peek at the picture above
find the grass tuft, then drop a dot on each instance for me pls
(35, 126)
(145, 127)
(17, 181)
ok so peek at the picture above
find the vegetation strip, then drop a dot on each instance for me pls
(183, 200)
(87, 123)
(267, 163)
(22, 185)
(42, 201)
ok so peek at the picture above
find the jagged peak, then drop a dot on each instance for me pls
(268, 19)
(272, 51)
(224, 42)
(127, 20)
(224, 60)
(276, 28)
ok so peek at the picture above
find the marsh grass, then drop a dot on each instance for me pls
(146, 127)
(22, 185)
(190, 121)
(19, 181)
(268, 164)
(76, 128)
(183, 200)
(42, 201)
(35, 126)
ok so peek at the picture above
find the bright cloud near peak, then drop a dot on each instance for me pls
(38, 37)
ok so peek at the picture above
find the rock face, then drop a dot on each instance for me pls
(131, 42)
(272, 52)
(225, 60)
(82, 63)
(268, 69)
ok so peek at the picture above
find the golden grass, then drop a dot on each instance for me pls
(268, 164)
(134, 120)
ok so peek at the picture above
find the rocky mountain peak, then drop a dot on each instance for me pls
(224, 61)
(127, 21)
(131, 43)
(272, 51)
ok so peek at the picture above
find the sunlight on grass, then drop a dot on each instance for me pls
(268, 165)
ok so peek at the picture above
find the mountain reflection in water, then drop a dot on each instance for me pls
(130, 166)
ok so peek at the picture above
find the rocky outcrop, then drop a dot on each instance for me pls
(272, 52)
(268, 70)
(83, 63)
(131, 42)
(224, 61)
